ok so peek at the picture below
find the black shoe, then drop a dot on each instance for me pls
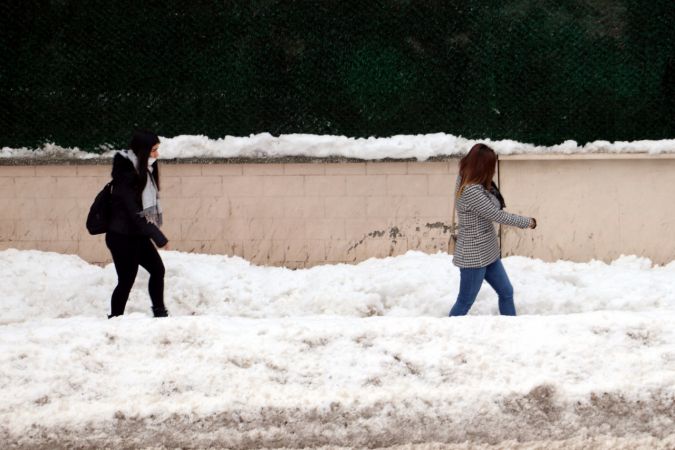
(160, 312)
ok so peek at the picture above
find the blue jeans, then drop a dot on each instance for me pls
(471, 281)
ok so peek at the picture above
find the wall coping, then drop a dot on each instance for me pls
(23, 161)
(586, 156)
(26, 161)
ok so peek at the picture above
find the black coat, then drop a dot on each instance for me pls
(127, 204)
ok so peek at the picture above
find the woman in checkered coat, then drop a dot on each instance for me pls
(478, 205)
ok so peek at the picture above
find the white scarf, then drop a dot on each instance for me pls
(152, 211)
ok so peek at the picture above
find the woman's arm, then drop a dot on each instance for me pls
(126, 195)
(477, 202)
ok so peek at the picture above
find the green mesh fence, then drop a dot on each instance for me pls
(83, 73)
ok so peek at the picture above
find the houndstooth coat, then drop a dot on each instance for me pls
(477, 244)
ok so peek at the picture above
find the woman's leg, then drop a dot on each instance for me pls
(152, 262)
(495, 274)
(470, 281)
(124, 250)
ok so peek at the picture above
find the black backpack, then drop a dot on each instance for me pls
(98, 218)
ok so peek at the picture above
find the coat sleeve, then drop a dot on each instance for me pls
(477, 202)
(126, 196)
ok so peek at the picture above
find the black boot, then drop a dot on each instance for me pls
(160, 312)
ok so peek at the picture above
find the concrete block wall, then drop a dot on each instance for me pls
(303, 214)
(44, 207)
(591, 206)
(290, 214)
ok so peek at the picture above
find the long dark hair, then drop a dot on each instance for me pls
(477, 167)
(141, 144)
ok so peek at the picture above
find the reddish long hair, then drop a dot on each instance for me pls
(477, 167)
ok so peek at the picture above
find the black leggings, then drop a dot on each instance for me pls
(128, 252)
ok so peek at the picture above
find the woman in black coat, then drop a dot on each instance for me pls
(135, 220)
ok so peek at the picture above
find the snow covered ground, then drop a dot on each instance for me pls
(337, 356)
(420, 147)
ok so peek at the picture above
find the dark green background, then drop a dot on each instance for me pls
(84, 73)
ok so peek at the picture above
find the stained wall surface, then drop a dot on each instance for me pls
(304, 214)
(596, 208)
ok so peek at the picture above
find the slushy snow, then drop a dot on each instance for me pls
(337, 355)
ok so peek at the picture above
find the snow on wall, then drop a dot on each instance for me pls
(420, 147)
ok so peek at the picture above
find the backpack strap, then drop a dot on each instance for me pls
(452, 240)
